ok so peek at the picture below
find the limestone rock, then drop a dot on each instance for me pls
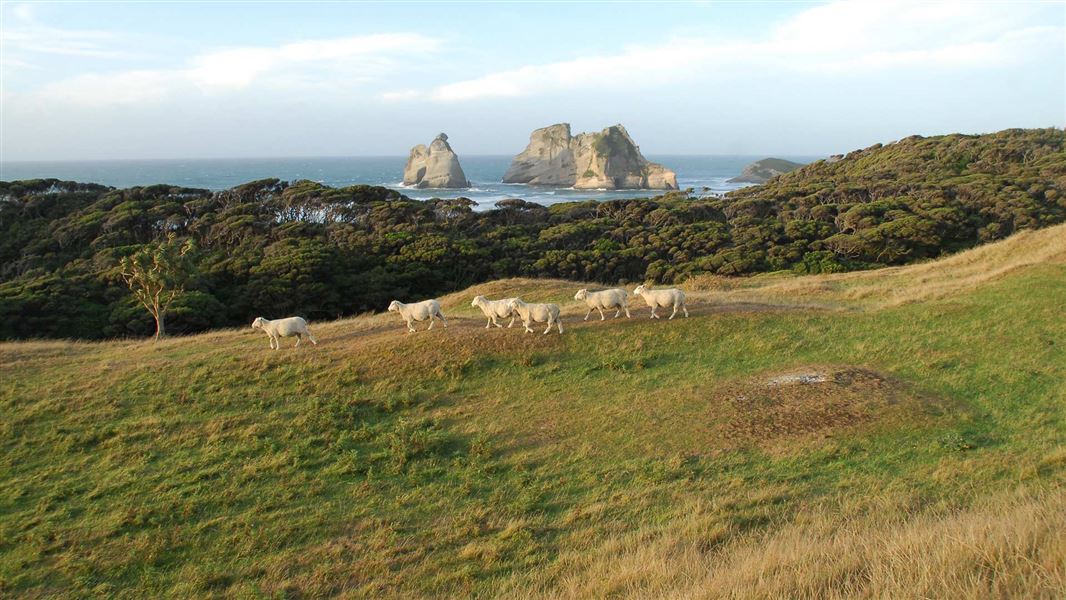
(763, 170)
(605, 160)
(434, 167)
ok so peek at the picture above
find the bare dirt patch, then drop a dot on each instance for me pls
(815, 402)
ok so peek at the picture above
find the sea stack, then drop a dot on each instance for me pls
(608, 160)
(434, 167)
(763, 170)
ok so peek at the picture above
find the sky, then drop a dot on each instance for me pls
(136, 80)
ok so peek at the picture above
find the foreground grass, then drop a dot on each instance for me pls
(629, 458)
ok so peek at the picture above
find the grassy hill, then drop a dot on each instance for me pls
(889, 433)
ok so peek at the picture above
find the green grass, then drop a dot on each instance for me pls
(486, 462)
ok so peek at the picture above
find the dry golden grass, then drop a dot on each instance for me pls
(894, 286)
(1010, 546)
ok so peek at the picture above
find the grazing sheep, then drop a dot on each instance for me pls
(279, 328)
(537, 313)
(615, 298)
(495, 309)
(419, 311)
(665, 298)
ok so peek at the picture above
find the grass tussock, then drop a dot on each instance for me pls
(1009, 546)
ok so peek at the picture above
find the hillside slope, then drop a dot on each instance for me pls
(892, 433)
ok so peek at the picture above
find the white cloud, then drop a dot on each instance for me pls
(22, 11)
(24, 35)
(647, 65)
(290, 66)
(34, 39)
(400, 95)
(829, 38)
(126, 87)
(16, 63)
(239, 67)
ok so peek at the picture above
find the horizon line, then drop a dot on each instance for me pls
(389, 156)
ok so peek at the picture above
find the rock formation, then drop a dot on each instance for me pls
(605, 160)
(763, 170)
(434, 167)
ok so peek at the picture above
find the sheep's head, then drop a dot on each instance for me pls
(513, 303)
(395, 306)
(640, 290)
(581, 294)
(478, 301)
(258, 323)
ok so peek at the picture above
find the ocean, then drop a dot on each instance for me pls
(484, 173)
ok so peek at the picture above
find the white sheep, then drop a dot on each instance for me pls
(537, 313)
(664, 298)
(495, 309)
(279, 328)
(419, 311)
(615, 298)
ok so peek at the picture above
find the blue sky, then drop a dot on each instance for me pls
(94, 80)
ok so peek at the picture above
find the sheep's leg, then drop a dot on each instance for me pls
(430, 328)
(410, 326)
(494, 322)
(489, 323)
(587, 314)
(673, 313)
(653, 315)
(685, 308)
(512, 322)
(275, 342)
(617, 312)
(627, 313)
(549, 328)
(600, 308)
(442, 319)
(559, 323)
(298, 338)
(311, 337)
(526, 325)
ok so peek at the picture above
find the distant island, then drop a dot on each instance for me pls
(764, 170)
(608, 160)
(434, 167)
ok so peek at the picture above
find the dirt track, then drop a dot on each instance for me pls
(572, 319)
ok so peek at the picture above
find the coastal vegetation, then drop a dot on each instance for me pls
(273, 248)
(885, 433)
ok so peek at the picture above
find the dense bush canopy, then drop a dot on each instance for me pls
(274, 249)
